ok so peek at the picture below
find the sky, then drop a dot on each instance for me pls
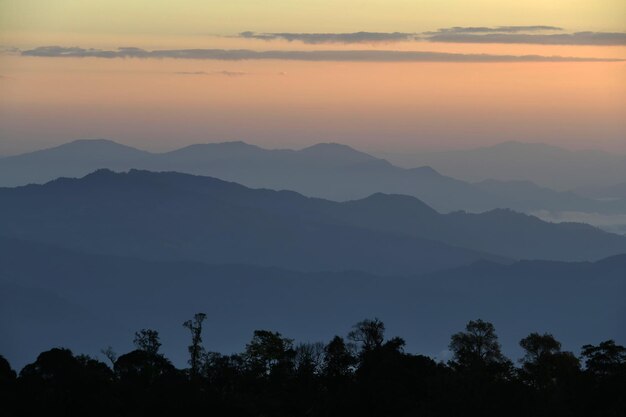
(384, 75)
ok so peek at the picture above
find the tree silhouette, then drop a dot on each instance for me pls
(274, 378)
(142, 367)
(606, 369)
(544, 364)
(369, 334)
(605, 359)
(196, 350)
(338, 360)
(269, 352)
(56, 364)
(7, 374)
(110, 354)
(8, 379)
(478, 350)
(63, 384)
(309, 358)
(148, 341)
(145, 364)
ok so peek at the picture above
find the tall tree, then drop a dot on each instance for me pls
(338, 360)
(110, 354)
(544, 364)
(370, 334)
(148, 341)
(478, 350)
(196, 350)
(269, 353)
(309, 358)
(608, 358)
(606, 365)
(6, 372)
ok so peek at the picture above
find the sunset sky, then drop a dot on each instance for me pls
(394, 75)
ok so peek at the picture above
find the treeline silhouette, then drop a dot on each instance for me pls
(364, 374)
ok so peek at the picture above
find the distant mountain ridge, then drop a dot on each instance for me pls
(327, 170)
(546, 165)
(184, 217)
(617, 191)
(50, 296)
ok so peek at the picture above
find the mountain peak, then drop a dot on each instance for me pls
(426, 171)
(93, 141)
(337, 151)
(235, 144)
(97, 145)
(394, 202)
(102, 172)
(230, 148)
(94, 149)
(329, 146)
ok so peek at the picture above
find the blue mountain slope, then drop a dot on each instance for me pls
(180, 216)
(51, 296)
(326, 170)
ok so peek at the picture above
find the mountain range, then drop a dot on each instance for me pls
(50, 296)
(331, 171)
(546, 165)
(614, 192)
(178, 216)
(86, 261)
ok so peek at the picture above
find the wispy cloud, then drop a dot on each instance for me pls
(231, 73)
(9, 50)
(224, 73)
(578, 38)
(536, 34)
(337, 56)
(318, 38)
(191, 73)
(498, 29)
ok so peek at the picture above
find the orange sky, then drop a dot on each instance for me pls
(159, 104)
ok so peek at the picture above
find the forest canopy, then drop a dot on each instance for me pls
(365, 373)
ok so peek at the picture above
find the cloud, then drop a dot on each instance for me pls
(536, 34)
(615, 223)
(317, 38)
(76, 52)
(191, 73)
(225, 73)
(9, 50)
(578, 38)
(498, 29)
(231, 73)
(332, 56)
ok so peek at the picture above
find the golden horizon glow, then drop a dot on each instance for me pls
(202, 17)
(164, 103)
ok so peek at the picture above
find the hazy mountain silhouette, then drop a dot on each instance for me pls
(180, 216)
(528, 196)
(332, 171)
(503, 232)
(55, 297)
(614, 192)
(72, 159)
(546, 165)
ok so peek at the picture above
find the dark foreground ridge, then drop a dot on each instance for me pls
(364, 374)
